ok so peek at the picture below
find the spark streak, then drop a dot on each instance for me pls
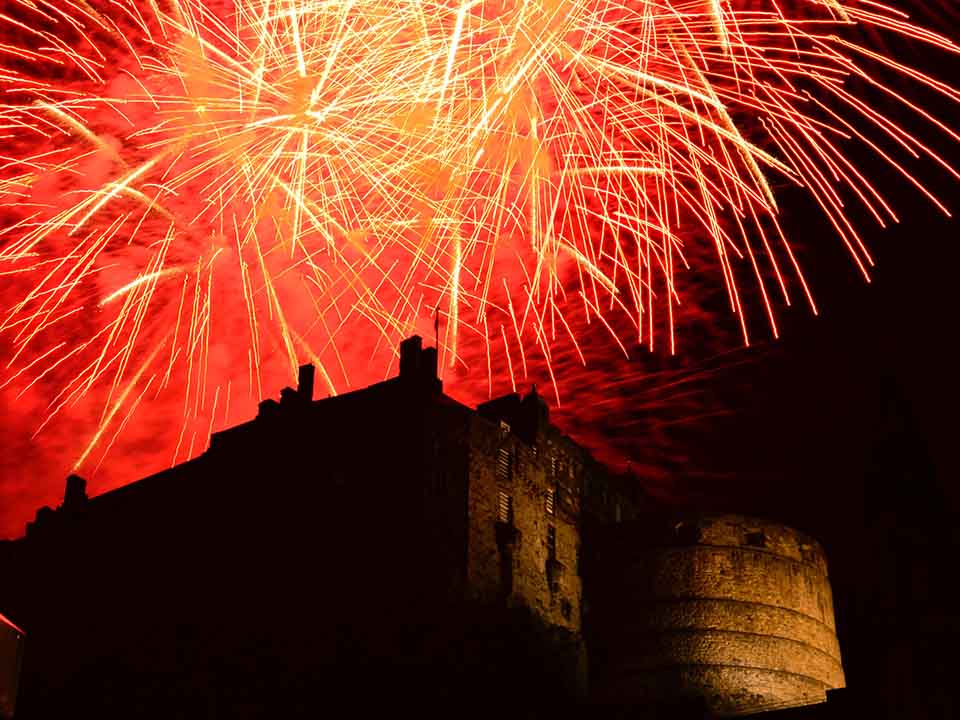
(207, 192)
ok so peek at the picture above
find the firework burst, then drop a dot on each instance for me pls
(199, 195)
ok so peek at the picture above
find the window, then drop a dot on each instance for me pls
(504, 508)
(553, 466)
(504, 465)
(552, 542)
(688, 533)
(551, 501)
(757, 539)
(617, 513)
(504, 427)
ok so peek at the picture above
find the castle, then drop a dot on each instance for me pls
(392, 543)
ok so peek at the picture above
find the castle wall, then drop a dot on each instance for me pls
(557, 602)
(735, 610)
(326, 548)
(312, 548)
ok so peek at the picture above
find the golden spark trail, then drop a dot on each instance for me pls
(118, 403)
(248, 184)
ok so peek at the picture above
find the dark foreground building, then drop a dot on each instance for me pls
(11, 649)
(393, 548)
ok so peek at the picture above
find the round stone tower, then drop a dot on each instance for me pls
(725, 610)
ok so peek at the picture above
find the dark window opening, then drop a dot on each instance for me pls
(757, 539)
(688, 533)
(551, 542)
(506, 573)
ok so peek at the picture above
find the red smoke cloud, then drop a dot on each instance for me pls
(195, 198)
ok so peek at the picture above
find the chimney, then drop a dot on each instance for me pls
(410, 351)
(75, 495)
(428, 363)
(534, 416)
(305, 382)
(45, 516)
(268, 408)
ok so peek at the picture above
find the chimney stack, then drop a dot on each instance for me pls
(428, 363)
(410, 351)
(418, 365)
(305, 382)
(75, 495)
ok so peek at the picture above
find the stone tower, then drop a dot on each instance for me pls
(734, 612)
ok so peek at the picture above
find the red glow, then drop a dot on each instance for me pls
(197, 196)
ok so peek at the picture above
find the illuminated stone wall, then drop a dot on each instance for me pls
(735, 610)
(553, 592)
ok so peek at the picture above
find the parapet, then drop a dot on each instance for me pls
(678, 529)
(748, 532)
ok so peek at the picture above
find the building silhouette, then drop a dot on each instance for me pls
(393, 546)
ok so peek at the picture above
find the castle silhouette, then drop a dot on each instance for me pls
(393, 548)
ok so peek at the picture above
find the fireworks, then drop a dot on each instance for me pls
(198, 196)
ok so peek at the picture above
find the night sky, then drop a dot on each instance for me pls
(846, 428)
(811, 415)
(754, 424)
(802, 428)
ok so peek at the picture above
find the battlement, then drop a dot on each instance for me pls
(746, 532)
